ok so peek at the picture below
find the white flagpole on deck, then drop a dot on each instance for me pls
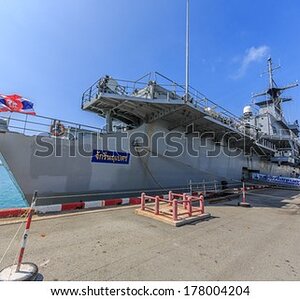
(187, 51)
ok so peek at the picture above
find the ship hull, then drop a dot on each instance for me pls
(67, 178)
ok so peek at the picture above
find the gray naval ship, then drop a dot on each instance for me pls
(156, 137)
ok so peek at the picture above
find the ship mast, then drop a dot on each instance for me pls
(270, 71)
(187, 51)
(274, 92)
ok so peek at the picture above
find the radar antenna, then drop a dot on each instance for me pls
(274, 92)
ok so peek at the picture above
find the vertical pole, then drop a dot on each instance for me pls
(244, 192)
(170, 198)
(204, 188)
(26, 232)
(9, 117)
(215, 186)
(108, 121)
(184, 197)
(175, 212)
(270, 71)
(90, 94)
(25, 124)
(157, 205)
(143, 201)
(191, 188)
(187, 51)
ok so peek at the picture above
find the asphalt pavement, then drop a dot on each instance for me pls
(258, 243)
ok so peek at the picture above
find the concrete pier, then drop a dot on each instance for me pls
(259, 243)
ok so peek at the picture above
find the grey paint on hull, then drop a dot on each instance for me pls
(61, 178)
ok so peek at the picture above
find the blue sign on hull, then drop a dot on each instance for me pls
(277, 179)
(110, 157)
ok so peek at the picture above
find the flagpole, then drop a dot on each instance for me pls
(187, 51)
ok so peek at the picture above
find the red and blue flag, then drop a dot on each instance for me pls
(16, 103)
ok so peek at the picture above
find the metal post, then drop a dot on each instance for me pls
(244, 192)
(270, 71)
(90, 94)
(187, 53)
(215, 186)
(170, 198)
(26, 232)
(204, 188)
(157, 205)
(244, 203)
(8, 120)
(191, 188)
(25, 124)
(108, 121)
(143, 201)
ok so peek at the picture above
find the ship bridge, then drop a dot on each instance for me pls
(272, 123)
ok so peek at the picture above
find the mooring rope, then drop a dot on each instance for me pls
(150, 173)
(14, 237)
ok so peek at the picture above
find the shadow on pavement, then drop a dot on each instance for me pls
(273, 198)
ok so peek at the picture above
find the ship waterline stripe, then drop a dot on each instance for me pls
(86, 205)
(43, 209)
(94, 204)
(14, 212)
(126, 201)
(48, 208)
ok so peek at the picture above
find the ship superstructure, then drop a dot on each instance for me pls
(267, 131)
(270, 123)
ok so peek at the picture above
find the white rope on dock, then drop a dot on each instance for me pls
(12, 240)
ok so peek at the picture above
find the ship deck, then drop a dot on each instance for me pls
(260, 243)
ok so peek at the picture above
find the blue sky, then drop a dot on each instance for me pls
(52, 50)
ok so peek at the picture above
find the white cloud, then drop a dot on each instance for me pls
(252, 55)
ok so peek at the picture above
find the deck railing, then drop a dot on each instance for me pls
(174, 90)
(34, 125)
